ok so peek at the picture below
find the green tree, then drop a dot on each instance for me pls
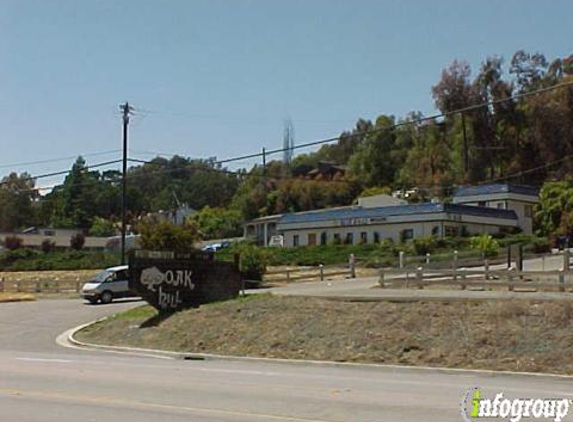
(555, 208)
(102, 227)
(168, 237)
(372, 162)
(17, 194)
(217, 223)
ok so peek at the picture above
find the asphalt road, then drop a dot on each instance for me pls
(43, 382)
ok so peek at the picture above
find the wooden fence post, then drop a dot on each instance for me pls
(427, 258)
(381, 279)
(419, 278)
(2, 288)
(486, 267)
(401, 259)
(561, 280)
(321, 267)
(288, 276)
(455, 265)
(352, 264)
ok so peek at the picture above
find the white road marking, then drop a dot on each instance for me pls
(45, 360)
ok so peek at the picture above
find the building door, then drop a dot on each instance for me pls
(312, 239)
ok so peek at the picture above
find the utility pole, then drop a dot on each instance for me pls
(126, 108)
(265, 171)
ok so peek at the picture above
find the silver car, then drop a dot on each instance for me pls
(111, 283)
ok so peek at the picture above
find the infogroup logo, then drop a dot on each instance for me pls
(475, 407)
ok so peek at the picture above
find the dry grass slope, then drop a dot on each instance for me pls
(513, 336)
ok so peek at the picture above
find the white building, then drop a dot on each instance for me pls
(475, 211)
(521, 199)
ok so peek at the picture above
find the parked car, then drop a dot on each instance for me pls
(111, 283)
(214, 247)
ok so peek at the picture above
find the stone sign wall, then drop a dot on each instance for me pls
(170, 282)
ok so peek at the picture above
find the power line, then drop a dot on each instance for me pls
(396, 125)
(425, 119)
(225, 171)
(54, 160)
(60, 173)
(363, 133)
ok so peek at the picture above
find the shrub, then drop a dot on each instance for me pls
(541, 245)
(48, 246)
(13, 242)
(165, 236)
(102, 228)
(77, 241)
(424, 245)
(486, 244)
(253, 261)
(387, 247)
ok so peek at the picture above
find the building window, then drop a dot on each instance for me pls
(528, 211)
(407, 234)
(350, 238)
(481, 204)
(295, 241)
(363, 238)
(451, 231)
(336, 239)
(376, 237)
(500, 205)
(435, 231)
(311, 239)
(323, 238)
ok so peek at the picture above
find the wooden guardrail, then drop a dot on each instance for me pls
(511, 278)
(320, 272)
(39, 286)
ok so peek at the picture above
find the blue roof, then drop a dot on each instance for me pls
(497, 188)
(397, 210)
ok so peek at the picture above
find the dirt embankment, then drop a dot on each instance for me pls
(500, 335)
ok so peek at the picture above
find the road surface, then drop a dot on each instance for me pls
(43, 382)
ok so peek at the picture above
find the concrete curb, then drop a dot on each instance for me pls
(68, 336)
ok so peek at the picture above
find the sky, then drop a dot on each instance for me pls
(219, 78)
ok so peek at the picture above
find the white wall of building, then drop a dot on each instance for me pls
(386, 231)
(523, 205)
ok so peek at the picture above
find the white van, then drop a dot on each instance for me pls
(111, 283)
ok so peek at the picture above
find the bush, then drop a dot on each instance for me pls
(48, 246)
(486, 244)
(13, 242)
(541, 245)
(102, 228)
(253, 261)
(165, 236)
(77, 241)
(424, 245)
